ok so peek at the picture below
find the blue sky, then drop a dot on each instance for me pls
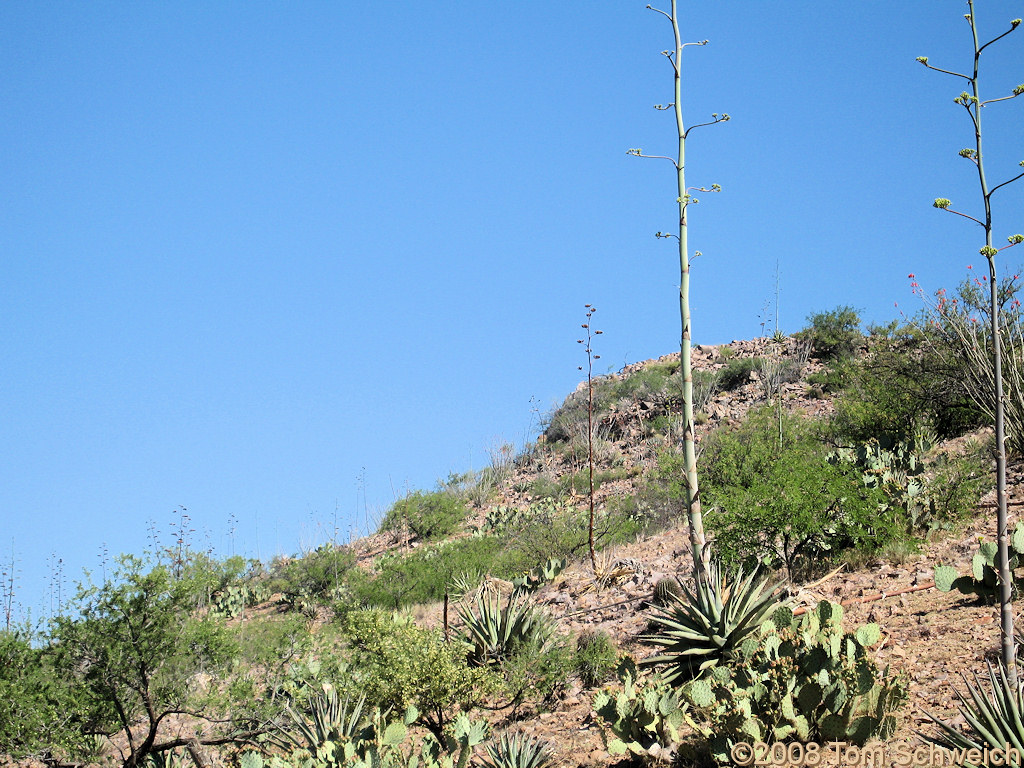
(277, 262)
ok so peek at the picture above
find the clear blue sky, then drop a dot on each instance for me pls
(253, 252)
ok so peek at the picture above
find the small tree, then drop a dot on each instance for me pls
(137, 657)
(698, 545)
(972, 103)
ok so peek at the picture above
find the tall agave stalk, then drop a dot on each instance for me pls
(698, 544)
(972, 102)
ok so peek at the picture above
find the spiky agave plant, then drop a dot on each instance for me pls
(994, 715)
(328, 718)
(518, 751)
(495, 631)
(700, 629)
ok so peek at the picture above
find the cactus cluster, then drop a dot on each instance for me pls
(537, 577)
(799, 679)
(702, 629)
(645, 717)
(665, 590)
(898, 471)
(231, 600)
(983, 581)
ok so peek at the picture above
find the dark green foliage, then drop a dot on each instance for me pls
(929, 493)
(906, 382)
(133, 649)
(539, 671)
(421, 576)
(596, 657)
(428, 516)
(802, 679)
(737, 372)
(700, 630)
(37, 708)
(783, 503)
(834, 334)
(317, 575)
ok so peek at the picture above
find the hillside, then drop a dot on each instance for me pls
(443, 552)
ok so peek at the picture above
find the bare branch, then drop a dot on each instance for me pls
(924, 60)
(1008, 181)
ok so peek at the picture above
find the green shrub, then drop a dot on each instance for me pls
(421, 576)
(428, 516)
(37, 707)
(404, 665)
(782, 504)
(802, 679)
(319, 574)
(596, 657)
(539, 671)
(834, 334)
(905, 383)
(737, 372)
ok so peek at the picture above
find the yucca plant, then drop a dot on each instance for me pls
(700, 629)
(994, 715)
(495, 632)
(518, 751)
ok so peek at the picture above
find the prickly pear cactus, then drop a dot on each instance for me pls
(983, 581)
(645, 716)
(803, 679)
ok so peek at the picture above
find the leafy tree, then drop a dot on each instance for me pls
(972, 103)
(138, 656)
(37, 711)
(684, 199)
(787, 505)
(834, 335)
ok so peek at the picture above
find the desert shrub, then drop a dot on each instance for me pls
(834, 334)
(402, 664)
(37, 707)
(803, 679)
(782, 502)
(657, 385)
(737, 372)
(421, 576)
(960, 330)
(539, 671)
(319, 574)
(578, 483)
(428, 516)
(902, 385)
(596, 657)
